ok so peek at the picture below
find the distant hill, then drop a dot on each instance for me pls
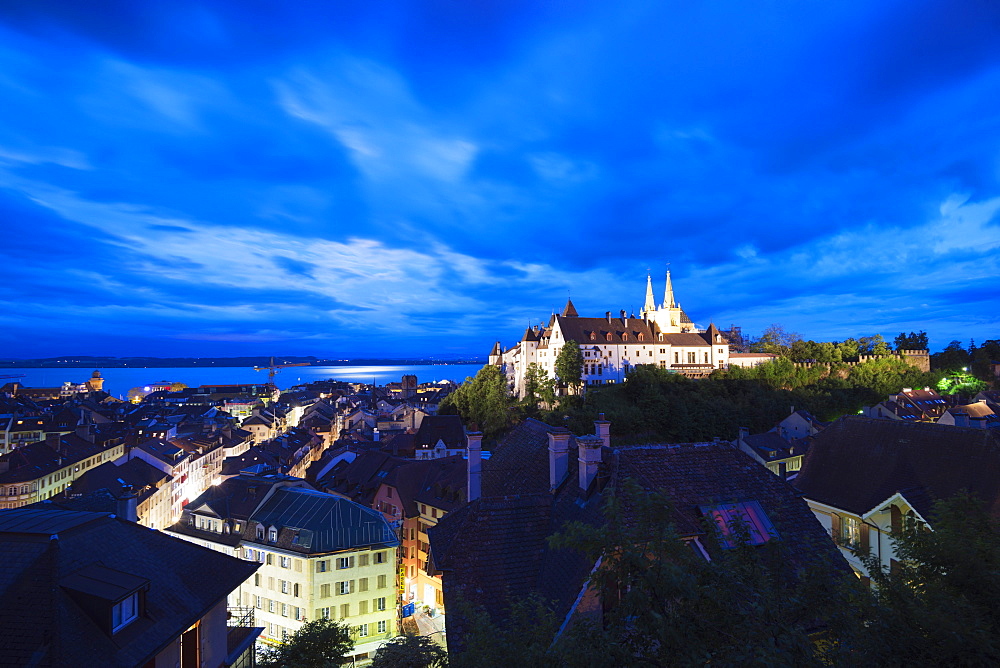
(96, 362)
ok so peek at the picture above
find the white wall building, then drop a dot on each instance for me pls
(663, 335)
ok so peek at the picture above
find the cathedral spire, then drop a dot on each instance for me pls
(650, 304)
(668, 295)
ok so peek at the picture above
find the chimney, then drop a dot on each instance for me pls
(783, 470)
(589, 460)
(558, 457)
(127, 504)
(623, 313)
(744, 432)
(961, 419)
(475, 468)
(607, 314)
(603, 429)
(791, 411)
(83, 429)
(53, 440)
(375, 435)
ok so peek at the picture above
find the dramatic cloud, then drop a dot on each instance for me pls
(426, 178)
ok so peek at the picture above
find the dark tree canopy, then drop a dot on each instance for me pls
(569, 364)
(484, 401)
(410, 651)
(321, 643)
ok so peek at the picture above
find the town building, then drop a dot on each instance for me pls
(863, 477)
(320, 556)
(494, 550)
(89, 589)
(663, 335)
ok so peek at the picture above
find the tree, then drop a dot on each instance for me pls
(483, 400)
(915, 341)
(569, 364)
(939, 604)
(321, 643)
(952, 358)
(538, 387)
(775, 340)
(410, 651)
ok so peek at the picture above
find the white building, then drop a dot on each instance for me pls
(663, 335)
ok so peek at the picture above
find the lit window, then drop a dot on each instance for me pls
(124, 612)
(740, 522)
(850, 532)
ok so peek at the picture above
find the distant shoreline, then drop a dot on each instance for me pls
(213, 362)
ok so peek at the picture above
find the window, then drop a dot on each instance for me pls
(343, 587)
(740, 522)
(324, 591)
(125, 611)
(321, 566)
(270, 605)
(380, 557)
(363, 631)
(382, 626)
(285, 562)
(380, 603)
(285, 586)
(345, 610)
(270, 559)
(345, 562)
(677, 357)
(257, 603)
(324, 613)
(691, 358)
(434, 513)
(850, 532)
(295, 589)
(363, 559)
(284, 610)
(381, 582)
(363, 584)
(706, 358)
(256, 579)
(272, 535)
(362, 607)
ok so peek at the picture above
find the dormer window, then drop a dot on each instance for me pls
(272, 535)
(641, 337)
(124, 612)
(625, 336)
(609, 336)
(593, 337)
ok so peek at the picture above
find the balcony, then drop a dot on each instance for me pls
(240, 634)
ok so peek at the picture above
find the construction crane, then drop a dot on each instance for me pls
(273, 368)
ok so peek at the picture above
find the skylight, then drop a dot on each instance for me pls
(740, 522)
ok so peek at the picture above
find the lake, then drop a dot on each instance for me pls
(118, 382)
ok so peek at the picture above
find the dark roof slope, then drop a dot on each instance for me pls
(857, 463)
(45, 548)
(447, 428)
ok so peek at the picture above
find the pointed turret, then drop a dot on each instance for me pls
(650, 304)
(570, 310)
(668, 295)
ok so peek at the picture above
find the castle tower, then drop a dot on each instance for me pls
(96, 382)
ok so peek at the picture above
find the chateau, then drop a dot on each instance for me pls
(663, 335)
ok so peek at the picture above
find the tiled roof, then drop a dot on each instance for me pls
(447, 428)
(44, 626)
(494, 549)
(857, 463)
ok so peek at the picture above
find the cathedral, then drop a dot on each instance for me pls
(662, 335)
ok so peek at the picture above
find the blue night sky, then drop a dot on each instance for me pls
(424, 178)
